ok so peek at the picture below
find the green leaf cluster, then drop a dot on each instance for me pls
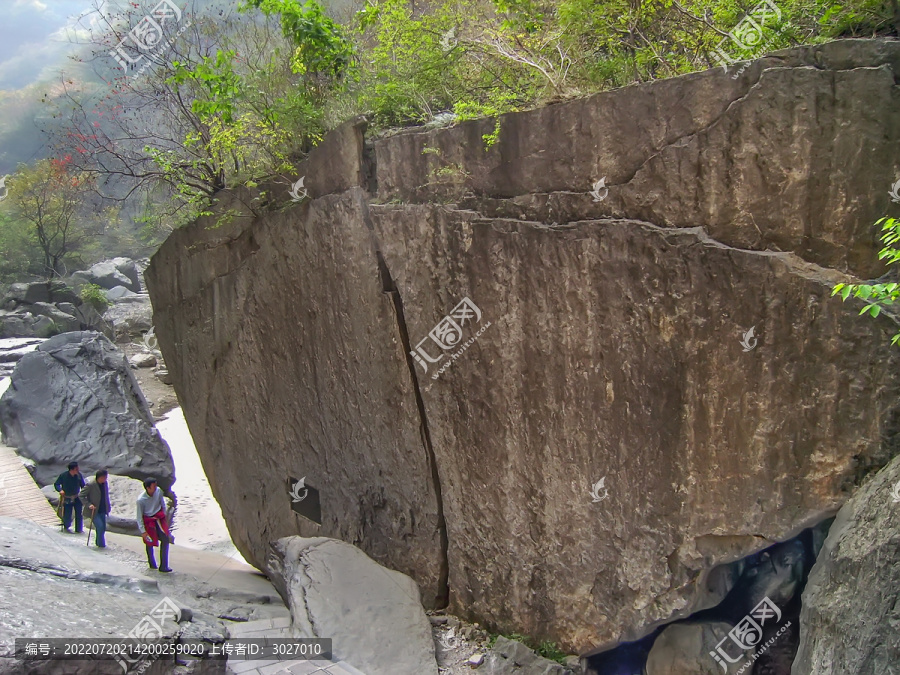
(879, 295)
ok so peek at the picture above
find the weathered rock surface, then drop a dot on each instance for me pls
(684, 649)
(850, 605)
(130, 316)
(373, 615)
(50, 582)
(111, 273)
(75, 397)
(509, 657)
(613, 345)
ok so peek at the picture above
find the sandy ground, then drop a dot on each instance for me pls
(160, 396)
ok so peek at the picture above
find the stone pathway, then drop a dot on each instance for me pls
(280, 628)
(20, 497)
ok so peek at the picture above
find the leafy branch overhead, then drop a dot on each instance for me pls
(878, 296)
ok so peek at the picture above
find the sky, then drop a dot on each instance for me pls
(37, 35)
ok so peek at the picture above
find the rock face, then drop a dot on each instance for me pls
(373, 615)
(605, 337)
(850, 604)
(74, 397)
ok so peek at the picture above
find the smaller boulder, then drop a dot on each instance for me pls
(373, 615)
(45, 327)
(142, 360)
(16, 325)
(509, 657)
(684, 649)
(37, 291)
(118, 292)
(64, 322)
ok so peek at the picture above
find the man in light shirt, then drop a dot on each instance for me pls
(151, 520)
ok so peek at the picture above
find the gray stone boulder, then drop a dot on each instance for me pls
(851, 603)
(111, 273)
(130, 317)
(17, 325)
(75, 397)
(684, 649)
(41, 291)
(509, 657)
(118, 292)
(143, 360)
(65, 322)
(373, 615)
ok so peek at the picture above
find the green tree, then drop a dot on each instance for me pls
(52, 201)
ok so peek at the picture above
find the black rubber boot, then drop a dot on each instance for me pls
(164, 554)
(150, 559)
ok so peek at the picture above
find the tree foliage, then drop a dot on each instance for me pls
(880, 295)
(50, 200)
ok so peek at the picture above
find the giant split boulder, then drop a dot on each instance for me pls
(75, 398)
(851, 605)
(672, 334)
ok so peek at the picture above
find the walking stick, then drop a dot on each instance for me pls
(59, 512)
(90, 527)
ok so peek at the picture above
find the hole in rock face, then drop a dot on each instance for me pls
(777, 573)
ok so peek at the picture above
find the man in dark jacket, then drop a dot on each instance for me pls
(68, 485)
(95, 498)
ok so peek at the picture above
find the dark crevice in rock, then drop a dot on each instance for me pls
(389, 287)
(368, 168)
(778, 572)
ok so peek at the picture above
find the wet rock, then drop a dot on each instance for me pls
(75, 397)
(850, 611)
(373, 615)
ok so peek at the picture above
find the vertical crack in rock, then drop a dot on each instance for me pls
(442, 598)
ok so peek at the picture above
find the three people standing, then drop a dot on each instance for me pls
(69, 485)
